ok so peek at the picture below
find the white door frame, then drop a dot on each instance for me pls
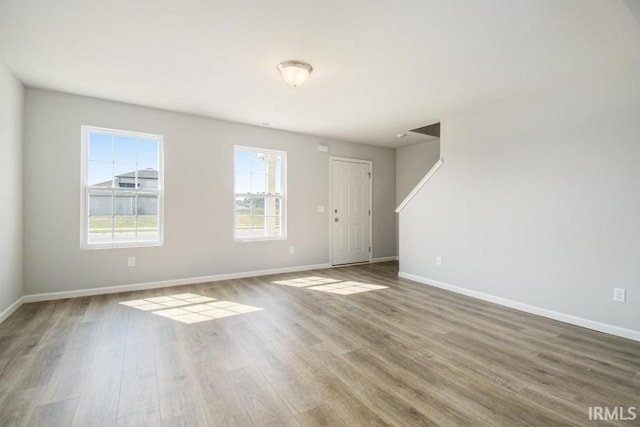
(351, 160)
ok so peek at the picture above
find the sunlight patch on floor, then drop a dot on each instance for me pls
(334, 286)
(347, 288)
(190, 308)
(304, 282)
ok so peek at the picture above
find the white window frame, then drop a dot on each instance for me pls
(85, 189)
(283, 197)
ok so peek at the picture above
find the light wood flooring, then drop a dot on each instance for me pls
(403, 355)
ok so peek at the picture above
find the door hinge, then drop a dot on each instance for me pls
(369, 175)
(369, 248)
(369, 212)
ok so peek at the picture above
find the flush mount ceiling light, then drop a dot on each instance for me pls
(295, 73)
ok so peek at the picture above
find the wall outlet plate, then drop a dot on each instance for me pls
(439, 261)
(619, 294)
(131, 262)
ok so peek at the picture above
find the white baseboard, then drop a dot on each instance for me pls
(9, 310)
(166, 283)
(384, 259)
(555, 315)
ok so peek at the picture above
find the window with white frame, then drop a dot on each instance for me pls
(122, 189)
(260, 194)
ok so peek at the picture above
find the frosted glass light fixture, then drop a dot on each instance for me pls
(295, 73)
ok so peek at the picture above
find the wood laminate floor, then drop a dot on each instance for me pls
(310, 348)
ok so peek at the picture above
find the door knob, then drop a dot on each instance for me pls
(336, 220)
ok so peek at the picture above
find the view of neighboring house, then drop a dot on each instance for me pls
(123, 205)
(147, 178)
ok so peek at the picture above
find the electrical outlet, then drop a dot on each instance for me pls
(320, 209)
(132, 261)
(619, 294)
(439, 261)
(292, 249)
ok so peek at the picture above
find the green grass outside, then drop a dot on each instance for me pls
(127, 224)
(244, 218)
(122, 224)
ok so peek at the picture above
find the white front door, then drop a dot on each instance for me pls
(350, 211)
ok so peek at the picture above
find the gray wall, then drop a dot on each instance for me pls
(11, 103)
(412, 164)
(198, 196)
(538, 200)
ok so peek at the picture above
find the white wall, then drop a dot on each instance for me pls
(198, 196)
(538, 201)
(11, 115)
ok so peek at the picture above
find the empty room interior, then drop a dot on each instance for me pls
(320, 213)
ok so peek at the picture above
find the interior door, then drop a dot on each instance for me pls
(350, 212)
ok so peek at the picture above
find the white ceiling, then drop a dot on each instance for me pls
(380, 67)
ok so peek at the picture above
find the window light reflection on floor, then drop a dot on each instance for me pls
(347, 288)
(334, 286)
(190, 308)
(304, 282)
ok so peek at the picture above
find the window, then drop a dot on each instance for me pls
(260, 194)
(122, 189)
